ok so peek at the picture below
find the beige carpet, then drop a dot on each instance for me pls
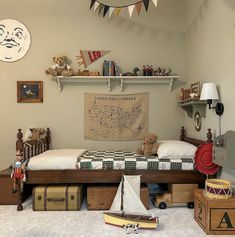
(174, 222)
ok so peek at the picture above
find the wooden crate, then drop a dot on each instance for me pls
(100, 197)
(183, 193)
(215, 216)
(6, 186)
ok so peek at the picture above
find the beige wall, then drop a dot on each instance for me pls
(65, 27)
(211, 57)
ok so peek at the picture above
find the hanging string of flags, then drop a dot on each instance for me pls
(115, 10)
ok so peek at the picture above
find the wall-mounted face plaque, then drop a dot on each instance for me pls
(14, 40)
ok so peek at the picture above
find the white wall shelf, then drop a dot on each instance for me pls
(192, 106)
(121, 79)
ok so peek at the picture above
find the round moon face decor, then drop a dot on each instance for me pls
(14, 40)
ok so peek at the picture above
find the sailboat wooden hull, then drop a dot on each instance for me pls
(122, 220)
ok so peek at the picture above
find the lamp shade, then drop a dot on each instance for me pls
(209, 92)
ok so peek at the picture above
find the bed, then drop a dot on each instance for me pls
(107, 175)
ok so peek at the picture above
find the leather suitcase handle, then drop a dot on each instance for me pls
(55, 199)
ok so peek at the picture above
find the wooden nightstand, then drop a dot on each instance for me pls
(6, 186)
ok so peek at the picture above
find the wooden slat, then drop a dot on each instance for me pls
(112, 176)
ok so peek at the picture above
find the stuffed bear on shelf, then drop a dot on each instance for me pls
(61, 67)
(149, 146)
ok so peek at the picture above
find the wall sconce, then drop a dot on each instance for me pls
(209, 92)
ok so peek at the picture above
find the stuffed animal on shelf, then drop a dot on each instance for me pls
(149, 146)
(61, 68)
(18, 172)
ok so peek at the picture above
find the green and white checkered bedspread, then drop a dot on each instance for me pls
(128, 160)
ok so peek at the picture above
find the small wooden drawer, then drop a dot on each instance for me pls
(215, 216)
(100, 197)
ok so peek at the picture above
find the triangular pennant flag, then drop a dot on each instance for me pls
(101, 6)
(138, 7)
(146, 4)
(117, 11)
(106, 8)
(96, 6)
(131, 9)
(111, 9)
(87, 57)
(155, 2)
(92, 3)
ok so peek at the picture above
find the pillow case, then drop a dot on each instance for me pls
(176, 149)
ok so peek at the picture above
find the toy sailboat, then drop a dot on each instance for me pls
(127, 208)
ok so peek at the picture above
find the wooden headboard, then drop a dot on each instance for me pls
(36, 147)
(33, 147)
(194, 141)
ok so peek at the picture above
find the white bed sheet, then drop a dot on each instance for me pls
(58, 159)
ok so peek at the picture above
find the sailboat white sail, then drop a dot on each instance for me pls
(127, 207)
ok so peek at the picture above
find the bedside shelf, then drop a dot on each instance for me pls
(107, 80)
(192, 106)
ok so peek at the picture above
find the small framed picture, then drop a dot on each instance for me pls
(29, 91)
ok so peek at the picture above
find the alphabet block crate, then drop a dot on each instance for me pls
(215, 216)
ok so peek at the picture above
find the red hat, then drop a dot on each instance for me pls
(203, 160)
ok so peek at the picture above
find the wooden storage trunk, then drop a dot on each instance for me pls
(100, 197)
(215, 216)
(7, 197)
(57, 198)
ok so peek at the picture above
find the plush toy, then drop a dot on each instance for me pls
(61, 68)
(18, 172)
(150, 146)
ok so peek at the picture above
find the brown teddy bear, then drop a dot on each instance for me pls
(61, 68)
(150, 146)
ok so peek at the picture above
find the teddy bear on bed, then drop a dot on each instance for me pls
(149, 146)
(60, 68)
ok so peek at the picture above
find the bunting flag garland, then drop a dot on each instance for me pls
(111, 9)
(106, 8)
(115, 10)
(101, 6)
(92, 3)
(146, 4)
(131, 9)
(96, 6)
(155, 2)
(138, 7)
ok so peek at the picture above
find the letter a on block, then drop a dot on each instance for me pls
(225, 220)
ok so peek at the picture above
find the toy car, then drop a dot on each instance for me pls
(179, 195)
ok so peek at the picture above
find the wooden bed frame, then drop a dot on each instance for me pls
(34, 177)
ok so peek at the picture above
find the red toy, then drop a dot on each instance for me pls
(203, 160)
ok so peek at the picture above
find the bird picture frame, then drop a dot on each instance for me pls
(29, 91)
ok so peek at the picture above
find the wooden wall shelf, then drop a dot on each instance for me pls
(192, 106)
(121, 79)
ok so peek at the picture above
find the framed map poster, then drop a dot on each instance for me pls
(116, 117)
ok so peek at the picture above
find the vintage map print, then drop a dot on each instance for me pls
(116, 117)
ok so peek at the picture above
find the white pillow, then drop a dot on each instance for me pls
(175, 149)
